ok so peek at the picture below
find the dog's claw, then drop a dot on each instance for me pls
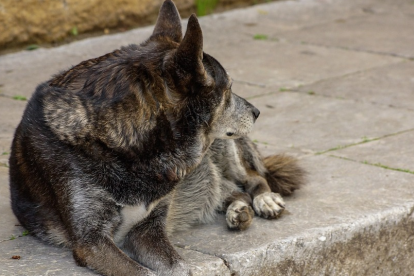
(269, 205)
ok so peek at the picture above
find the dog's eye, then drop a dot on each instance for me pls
(229, 134)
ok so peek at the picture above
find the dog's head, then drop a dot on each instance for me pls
(197, 85)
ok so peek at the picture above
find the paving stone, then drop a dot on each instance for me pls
(362, 34)
(394, 151)
(384, 7)
(5, 142)
(11, 112)
(38, 258)
(390, 85)
(274, 67)
(265, 150)
(204, 264)
(348, 216)
(248, 90)
(318, 123)
(4, 151)
(9, 226)
(270, 19)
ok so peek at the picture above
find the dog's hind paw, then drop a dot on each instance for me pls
(239, 215)
(268, 205)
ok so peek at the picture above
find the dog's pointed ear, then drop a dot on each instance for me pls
(168, 22)
(189, 54)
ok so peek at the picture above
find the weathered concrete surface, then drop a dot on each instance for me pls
(37, 258)
(390, 85)
(369, 32)
(319, 123)
(278, 70)
(345, 66)
(8, 223)
(342, 223)
(393, 151)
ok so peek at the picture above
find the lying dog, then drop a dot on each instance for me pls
(233, 178)
(107, 148)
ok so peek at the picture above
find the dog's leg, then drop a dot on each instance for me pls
(239, 214)
(147, 243)
(107, 259)
(91, 226)
(266, 203)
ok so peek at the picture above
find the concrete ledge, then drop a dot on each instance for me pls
(349, 220)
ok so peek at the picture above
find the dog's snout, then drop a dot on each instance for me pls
(256, 112)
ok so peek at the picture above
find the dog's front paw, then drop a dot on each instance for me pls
(268, 205)
(239, 215)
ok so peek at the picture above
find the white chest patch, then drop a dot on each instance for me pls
(131, 215)
(238, 168)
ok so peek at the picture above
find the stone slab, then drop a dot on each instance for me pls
(384, 7)
(274, 67)
(265, 150)
(4, 151)
(38, 258)
(394, 152)
(11, 112)
(9, 225)
(390, 85)
(270, 19)
(204, 264)
(371, 33)
(317, 123)
(5, 142)
(249, 90)
(348, 220)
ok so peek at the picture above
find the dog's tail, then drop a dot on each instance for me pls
(284, 175)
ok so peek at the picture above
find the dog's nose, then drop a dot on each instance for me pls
(256, 113)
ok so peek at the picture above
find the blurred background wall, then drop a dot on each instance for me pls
(25, 22)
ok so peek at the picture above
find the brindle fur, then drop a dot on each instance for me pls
(232, 178)
(108, 152)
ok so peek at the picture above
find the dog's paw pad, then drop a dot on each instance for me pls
(269, 205)
(239, 215)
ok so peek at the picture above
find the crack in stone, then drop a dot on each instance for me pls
(373, 164)
(208, 254)
(363, 142)
(357, 50)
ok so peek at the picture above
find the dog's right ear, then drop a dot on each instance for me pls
(168, 22)
(189, 54)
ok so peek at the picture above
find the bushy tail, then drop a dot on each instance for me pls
(284, 174)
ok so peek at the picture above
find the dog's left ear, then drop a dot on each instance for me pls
(189, 55)
(168, 22)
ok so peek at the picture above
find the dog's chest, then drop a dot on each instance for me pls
(131, 215)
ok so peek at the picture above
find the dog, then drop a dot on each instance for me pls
(232, 178)
(109, 152)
